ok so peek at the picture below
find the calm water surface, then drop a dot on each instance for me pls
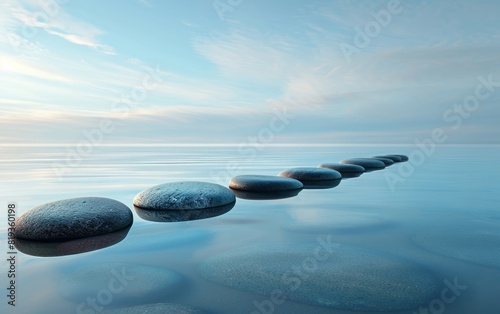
(443, 216)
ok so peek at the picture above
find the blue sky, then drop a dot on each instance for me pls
(219, 71)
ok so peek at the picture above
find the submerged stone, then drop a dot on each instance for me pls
(367, 163)
(156, 308)
(266, 184)
(478, 245)
(333, 275)
(73, 218)
(185, 195)
(346, 170)
(135, 282)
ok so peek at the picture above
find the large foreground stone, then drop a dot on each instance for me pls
(185, 195)
(333, 275)
(156, 308)
(72, 219)
(266, 184)
(135, 283)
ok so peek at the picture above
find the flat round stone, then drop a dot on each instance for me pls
(184, 195)
(403, 157)
(135, 282)
(73, 218)
(260, 183)
(343, 168)
(311, 174)
(367, 163)
(156, 308)
(391, 157)
(340, 276)
(387, 161)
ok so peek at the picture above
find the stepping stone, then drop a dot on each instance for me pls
(403, 157)
(132, 283)
(157, 308)
(387, 161)
(185, 195)
(265, 184)
(392, 157)
(346, 170)
(478, 244)
(368, 163)
(73, 218)
(313, 178)
(327, 274)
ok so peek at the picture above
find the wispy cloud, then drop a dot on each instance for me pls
(21, 17)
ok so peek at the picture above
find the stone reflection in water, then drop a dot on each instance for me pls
(182, 214)
(70, 247)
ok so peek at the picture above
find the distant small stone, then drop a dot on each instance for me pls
(403, 157)
(157, 308)
(261, 183)
(346, 170)
(391, 157)
(185, 195)
(387, 161)
(72, 219)
(367, 163)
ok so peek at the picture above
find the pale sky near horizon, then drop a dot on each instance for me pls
(377, 72)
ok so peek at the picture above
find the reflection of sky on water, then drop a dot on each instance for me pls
(455, 186)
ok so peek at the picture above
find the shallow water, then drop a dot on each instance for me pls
(453, 192)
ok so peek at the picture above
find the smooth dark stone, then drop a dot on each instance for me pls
(311, 174)
(70, 247)
(72, 219)
(344, 277)
(182, 215)
(314, 178)
(392, 157)
(346, 170)
(248, 195)
(187, 195)
(156, 308)
(367, 163)
(387, 161)
(266, 184)
(139, 283)
(403, 157)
